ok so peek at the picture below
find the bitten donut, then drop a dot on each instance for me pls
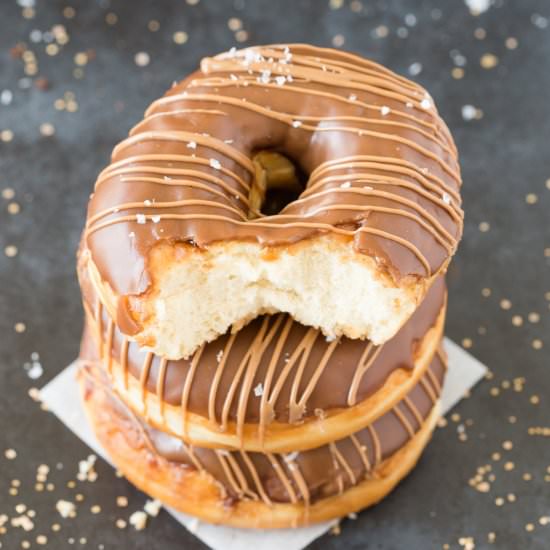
(284, 178)
(275, 385)
(266, 490)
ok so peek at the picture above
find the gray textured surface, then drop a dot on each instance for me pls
(504, 157)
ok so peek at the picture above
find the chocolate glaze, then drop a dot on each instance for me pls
(307, 476)
(381, 164)
(312, 373)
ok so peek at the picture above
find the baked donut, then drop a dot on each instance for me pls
(266, 490)
(275, 385)
(184, 239)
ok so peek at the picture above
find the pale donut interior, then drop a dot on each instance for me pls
(199, 295)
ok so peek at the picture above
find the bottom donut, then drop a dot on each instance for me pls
(265, 490)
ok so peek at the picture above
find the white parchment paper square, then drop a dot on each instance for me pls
(62, 397)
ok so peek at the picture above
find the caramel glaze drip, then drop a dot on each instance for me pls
(296, 477)
(272, 369)
(382, 167)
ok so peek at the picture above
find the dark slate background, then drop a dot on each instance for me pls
(505, 157)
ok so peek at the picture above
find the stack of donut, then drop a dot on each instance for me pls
(262, 271)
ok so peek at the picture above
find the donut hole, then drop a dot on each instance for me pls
(278, 181)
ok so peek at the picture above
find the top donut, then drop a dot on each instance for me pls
(276, 178)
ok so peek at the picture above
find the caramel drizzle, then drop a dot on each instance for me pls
(98, 316)
(240, 70)
(413, 408)
(217, 378)
(256, 478)
(299, 480)
(289, 119)
(107, 352)
(250, 356)
(278, 469)
(125, 166)
(404, 420)
(161, 384)
(266, 404)
(143, 377)
(367, 359)
(235, 475)
(428, 388)
(186, 391)
(342, 462)
(87, 367)
(362, 451)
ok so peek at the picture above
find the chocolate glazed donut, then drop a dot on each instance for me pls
(274, 371)
(176, 236)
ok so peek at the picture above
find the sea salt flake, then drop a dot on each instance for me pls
(65, 508)
(458, 59)
(539, 21)
(402, 32)
(469, 112)
(24, 522)
(147, 202)
(6, 97)
(425, 103)
(478, 6)
(214, 163)
(86, 466)
(352, 97)
(415, 68)
(35, 371)
(410, 19)
(193, 525)
(24, 83)
(138, 520)
(291, 457)
(296, 123)
(384, 110)
(141, 218)
(280, 80)
(345, 185)
(155, 218)
(152, 507)
(219, 355)
(35, 35)
(192, 145)
(446, 198)
(265, 76)
(259, 390)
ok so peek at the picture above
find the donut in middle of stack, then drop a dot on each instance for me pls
(275, 385)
